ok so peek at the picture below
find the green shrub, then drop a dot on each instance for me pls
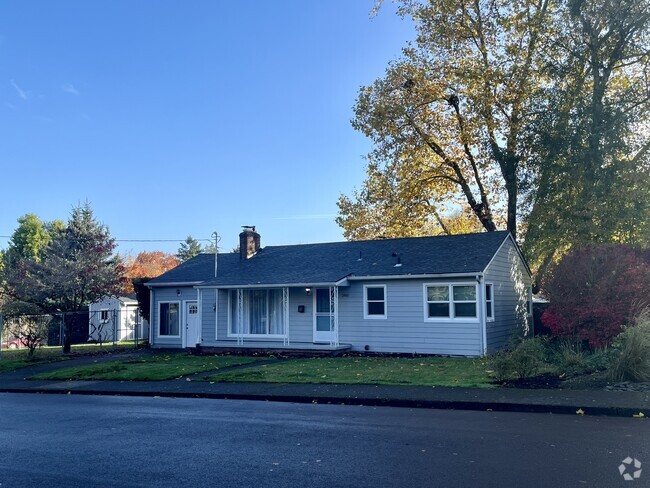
(502, 365)
(633, 345)
(599, 360)
(524, 360)
(572, 355)
(572, 358)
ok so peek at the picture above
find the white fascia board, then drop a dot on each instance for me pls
(521, 256)
(415, 276)
(179, 283)
(272, 285)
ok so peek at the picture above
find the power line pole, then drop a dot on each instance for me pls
(216, 251)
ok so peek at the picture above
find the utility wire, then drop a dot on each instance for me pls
(144, 240)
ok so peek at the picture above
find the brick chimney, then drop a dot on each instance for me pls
(249, 242)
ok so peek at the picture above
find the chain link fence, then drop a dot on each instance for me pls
(101, 327)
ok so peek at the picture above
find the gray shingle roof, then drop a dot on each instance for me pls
(330, 262)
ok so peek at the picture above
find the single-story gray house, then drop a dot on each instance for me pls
(462, 295)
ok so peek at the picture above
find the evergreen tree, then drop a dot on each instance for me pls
(189, 248)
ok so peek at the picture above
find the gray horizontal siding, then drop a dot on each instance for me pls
(511, 283)
(168, 294)
(208, 316)
(404, 329)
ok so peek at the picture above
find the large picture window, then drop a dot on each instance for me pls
(261, 312)
(450, 301)
(169, 319)
(374, 297)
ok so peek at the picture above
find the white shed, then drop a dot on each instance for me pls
(115, 319)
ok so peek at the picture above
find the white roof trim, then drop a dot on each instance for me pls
(342, 282)
(179, 283)
(416, 276)
(521, 256)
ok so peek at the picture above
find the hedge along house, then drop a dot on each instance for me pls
(460, 295)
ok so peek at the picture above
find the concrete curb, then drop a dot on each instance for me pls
(364, 401)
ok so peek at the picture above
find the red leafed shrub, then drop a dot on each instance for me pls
(594, 291)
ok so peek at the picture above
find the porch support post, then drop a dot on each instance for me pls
(240, 316)
(334, 315)
(285, 309)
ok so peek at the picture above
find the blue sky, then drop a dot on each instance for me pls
(186, 117)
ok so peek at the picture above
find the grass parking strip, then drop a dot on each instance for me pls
(13, 359)
(156, 367)
(426, 371)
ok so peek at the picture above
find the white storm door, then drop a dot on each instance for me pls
(191, 319)
(322, 318)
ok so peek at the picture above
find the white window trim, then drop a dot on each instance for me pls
(216, 314)
(101, 320)
(368, 316)
(180, 318)
(251, 336)
(489, 318)
(452, 317)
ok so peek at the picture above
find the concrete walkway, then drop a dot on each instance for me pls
(596, 402)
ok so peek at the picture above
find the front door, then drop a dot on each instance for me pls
(191, 316)
(322, 318)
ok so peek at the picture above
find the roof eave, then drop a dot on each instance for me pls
(342, 282)
(464, 274)
(176, 283)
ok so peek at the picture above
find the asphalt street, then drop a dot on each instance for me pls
(104, 441)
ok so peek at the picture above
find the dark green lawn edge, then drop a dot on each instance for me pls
(12, 359)
(149, 368)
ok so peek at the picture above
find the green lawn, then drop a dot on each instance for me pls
(429, 371)
(12, 359)
(155, 367)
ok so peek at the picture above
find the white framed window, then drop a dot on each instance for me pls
(103, 315)
(450, 301)
(374, 301)
(169, 320)
(489, 302)
(437, 301)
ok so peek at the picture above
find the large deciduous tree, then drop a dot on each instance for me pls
(75, 268)
(526, 113)
(27, 244)
(28, 240)
(447, 118)
(591, 131)
(148, 264)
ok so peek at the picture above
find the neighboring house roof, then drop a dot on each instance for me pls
(128, 299)
(332, 262)
(195, 270)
